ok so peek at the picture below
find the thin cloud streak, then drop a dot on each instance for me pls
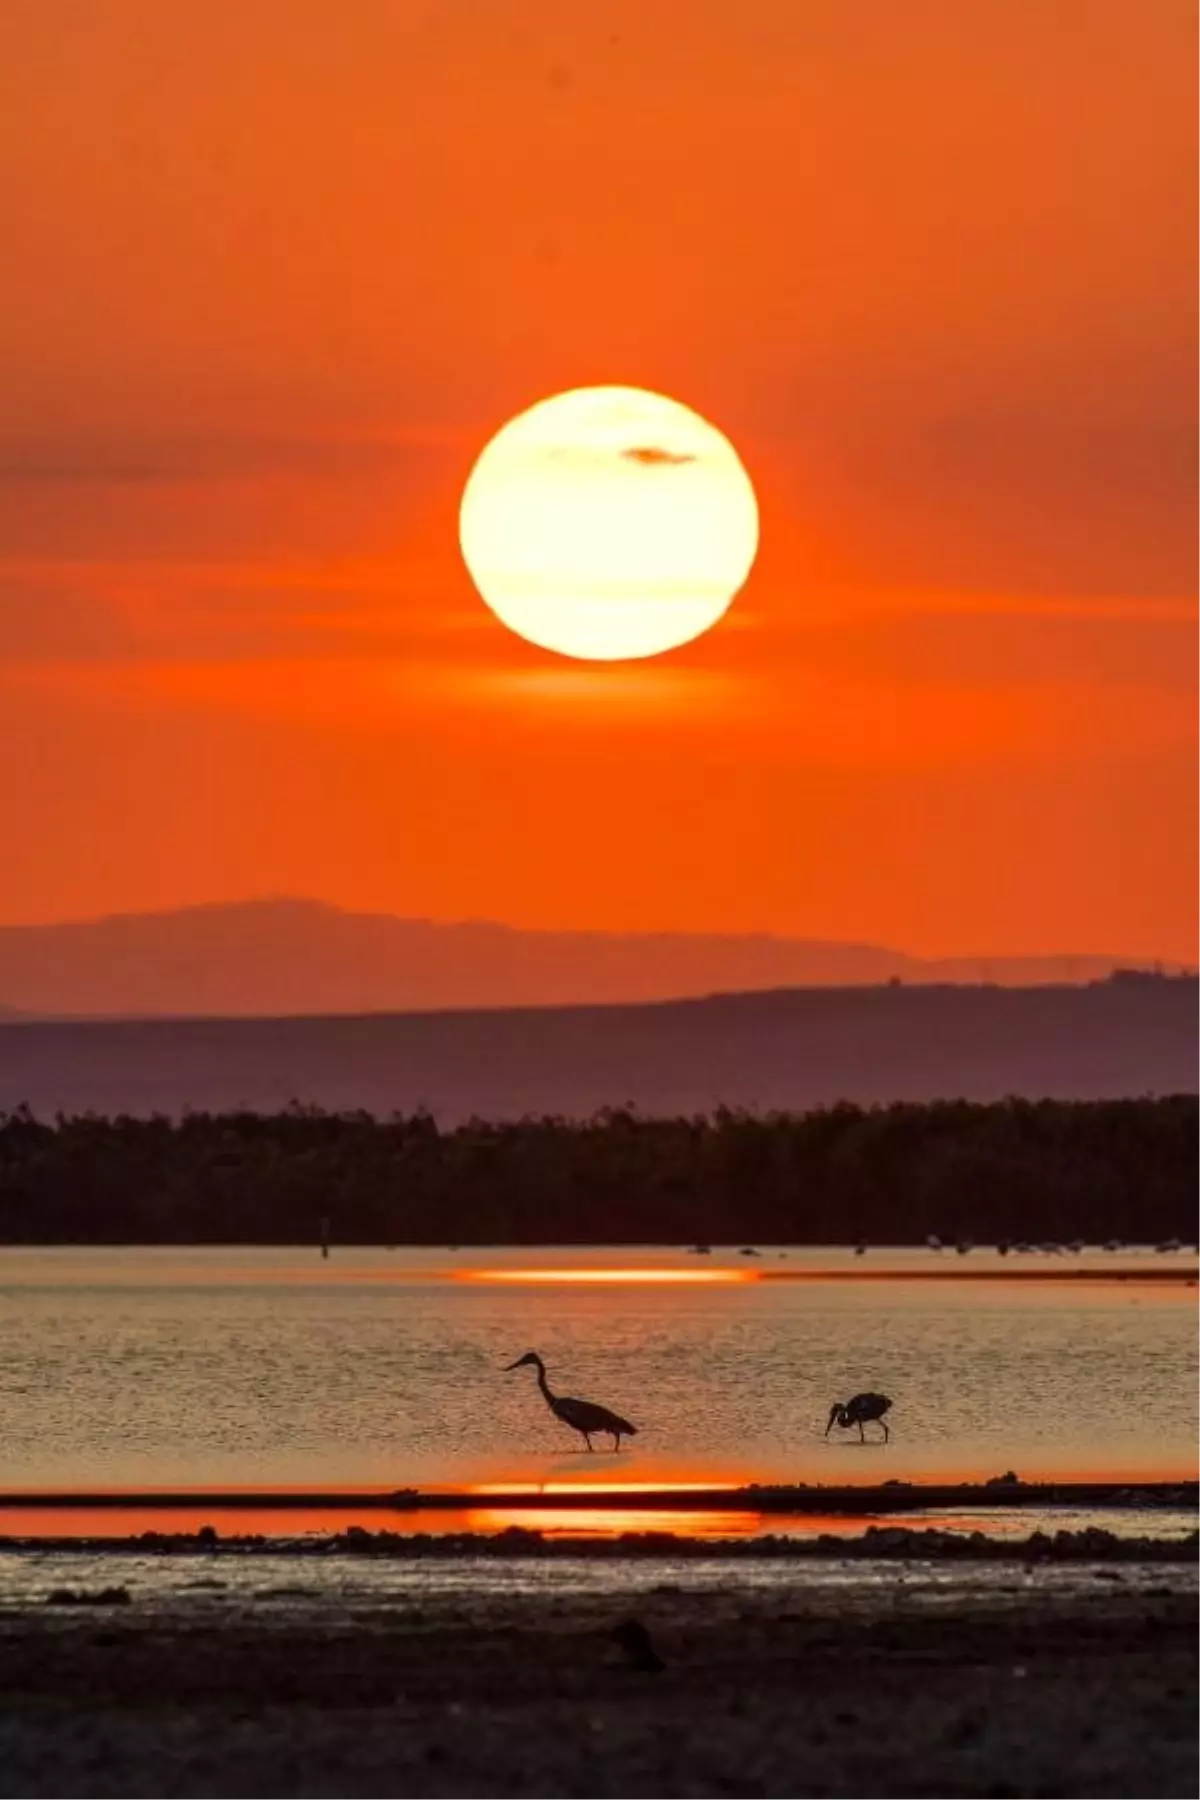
(117, 462)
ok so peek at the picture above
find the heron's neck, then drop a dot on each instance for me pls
(543, 1383)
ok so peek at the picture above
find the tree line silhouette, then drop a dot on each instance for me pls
(1018, 1169)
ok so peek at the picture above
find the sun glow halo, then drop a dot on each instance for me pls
(609, 523)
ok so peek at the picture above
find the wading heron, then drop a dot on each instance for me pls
(583, 1416)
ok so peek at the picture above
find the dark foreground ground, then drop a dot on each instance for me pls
(343, 1677)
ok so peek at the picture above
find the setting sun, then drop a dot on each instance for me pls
(609, 523)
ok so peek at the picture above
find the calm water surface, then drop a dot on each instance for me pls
(143, 1368)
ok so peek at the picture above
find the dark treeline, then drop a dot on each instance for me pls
(1018, 1169)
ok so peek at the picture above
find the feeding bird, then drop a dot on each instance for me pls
(860, 1411)
(583, 1416)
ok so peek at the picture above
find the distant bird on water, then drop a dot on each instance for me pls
(583, 1416)
(860, 1411)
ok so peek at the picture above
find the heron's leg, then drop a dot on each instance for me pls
(862, 1436)
(887, 1436)
(616, 1440)
(587, 1440)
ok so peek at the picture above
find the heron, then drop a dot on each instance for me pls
(583, 1416)
(860, 1411)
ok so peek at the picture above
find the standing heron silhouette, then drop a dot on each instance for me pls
(583, 1416)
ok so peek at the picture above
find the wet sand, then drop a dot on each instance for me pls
(350, 1669)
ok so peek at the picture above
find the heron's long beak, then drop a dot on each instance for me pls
(515, 1365)
(834, 1411)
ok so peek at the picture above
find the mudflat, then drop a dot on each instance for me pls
(332, 1677)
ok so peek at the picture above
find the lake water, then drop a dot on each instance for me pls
(136, 1368)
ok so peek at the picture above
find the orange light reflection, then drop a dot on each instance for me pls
(598, 1488)
(674, 1277)
(121, 1522)
(610, 1522)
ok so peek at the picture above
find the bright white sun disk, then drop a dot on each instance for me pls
(609, 523)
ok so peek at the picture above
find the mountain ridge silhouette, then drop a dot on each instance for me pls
(281, 956)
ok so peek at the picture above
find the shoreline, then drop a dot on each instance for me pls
(1088, 1544)
(886, 1497)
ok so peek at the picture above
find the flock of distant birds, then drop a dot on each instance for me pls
(1076, 1245)
(964, 1246)
(591, 1420)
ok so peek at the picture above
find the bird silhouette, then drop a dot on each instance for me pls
(860, 1411)
(583, 1416)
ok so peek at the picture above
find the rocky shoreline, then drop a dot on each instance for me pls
(893, 1542)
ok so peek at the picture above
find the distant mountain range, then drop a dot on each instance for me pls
(275, 957)
(1130, 1035)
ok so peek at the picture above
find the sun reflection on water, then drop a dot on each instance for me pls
(623, 1276)
(608, 1522)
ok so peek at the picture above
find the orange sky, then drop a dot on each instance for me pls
(275, 271)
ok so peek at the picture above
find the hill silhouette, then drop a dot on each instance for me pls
(794, 1049)
(281, 957)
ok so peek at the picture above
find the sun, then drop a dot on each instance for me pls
(609, 523)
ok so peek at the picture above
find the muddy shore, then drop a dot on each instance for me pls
(901, 1542)
(346, 1675)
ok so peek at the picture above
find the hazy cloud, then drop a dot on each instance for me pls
(69, 461)
(45, 623)
(113, 612)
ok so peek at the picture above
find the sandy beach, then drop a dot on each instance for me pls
(348, 1674)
